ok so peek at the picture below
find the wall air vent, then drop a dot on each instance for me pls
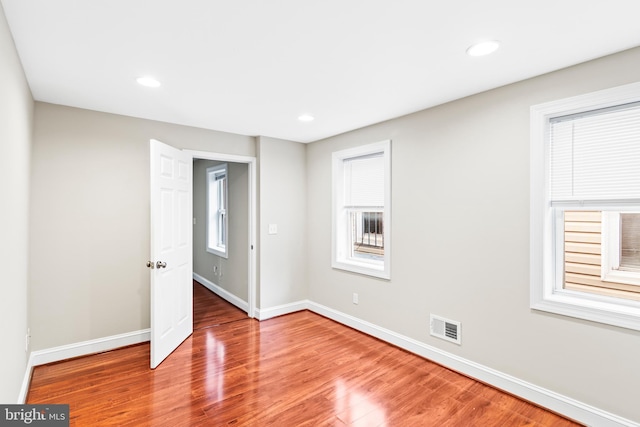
(445, 329)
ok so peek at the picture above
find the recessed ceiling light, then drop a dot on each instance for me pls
(483, 48)
(306, 118)
(148, 81)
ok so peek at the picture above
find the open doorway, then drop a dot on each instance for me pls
(231, 275)
(171, 188)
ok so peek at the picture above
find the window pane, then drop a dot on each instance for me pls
(366, 236)
(222, 211)
(630, 240)
(582, 248)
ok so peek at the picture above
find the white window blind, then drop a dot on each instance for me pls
(596, 155)
(364, 181)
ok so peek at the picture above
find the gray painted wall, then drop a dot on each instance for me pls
(283, 201)
(460, 218)
(234, 269)
(90, 219)
(16, 124)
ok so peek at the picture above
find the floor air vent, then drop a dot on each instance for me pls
(446, 329)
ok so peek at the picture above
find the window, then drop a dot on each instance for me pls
(217, 215)
(361, 209)
(585, 206)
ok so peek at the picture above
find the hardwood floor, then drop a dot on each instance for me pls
(295, 370)
(211, 310)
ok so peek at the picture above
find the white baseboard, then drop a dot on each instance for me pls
(279, 310)
(85, 348)
(26, 380)
(555, 402)
(222, 293)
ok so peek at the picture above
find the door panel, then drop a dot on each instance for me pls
(171, 279)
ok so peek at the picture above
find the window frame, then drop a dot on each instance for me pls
(219, 219)
(546, 294)
(611, 243)
(340, 215)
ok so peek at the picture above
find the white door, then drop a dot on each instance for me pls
(170, 263)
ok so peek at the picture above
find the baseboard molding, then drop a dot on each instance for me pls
(222, 293)
(84, 348)
(555, 402)
(279, 310)
(26, 380)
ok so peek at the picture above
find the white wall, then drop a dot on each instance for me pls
(16, 124)
(460, 232)
(282, 186)
(234, 269)
(90, 219)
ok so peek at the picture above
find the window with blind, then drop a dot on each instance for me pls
(217, 221)
(361, 205)
(585, 206)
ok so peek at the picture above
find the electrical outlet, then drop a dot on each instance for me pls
(27, 340)
(355, 298)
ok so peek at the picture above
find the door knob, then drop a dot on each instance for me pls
(161, 264)
(150, 265)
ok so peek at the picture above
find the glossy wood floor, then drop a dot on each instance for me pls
(295, 370)
(210, 310)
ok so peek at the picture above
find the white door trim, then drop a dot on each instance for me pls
(252, 165)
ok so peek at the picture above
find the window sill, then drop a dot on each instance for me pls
(592, 307)
(624, 277)
(362, 268)
(218, 252)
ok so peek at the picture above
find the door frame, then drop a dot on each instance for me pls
(252, 167)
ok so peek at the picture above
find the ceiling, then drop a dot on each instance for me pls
(253, 66)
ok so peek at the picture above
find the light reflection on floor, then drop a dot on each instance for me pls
(214, 380)
(352, 406)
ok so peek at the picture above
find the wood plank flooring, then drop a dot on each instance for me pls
(295, 370)
(211, 310)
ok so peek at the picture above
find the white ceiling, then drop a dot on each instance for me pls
(253, 66)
